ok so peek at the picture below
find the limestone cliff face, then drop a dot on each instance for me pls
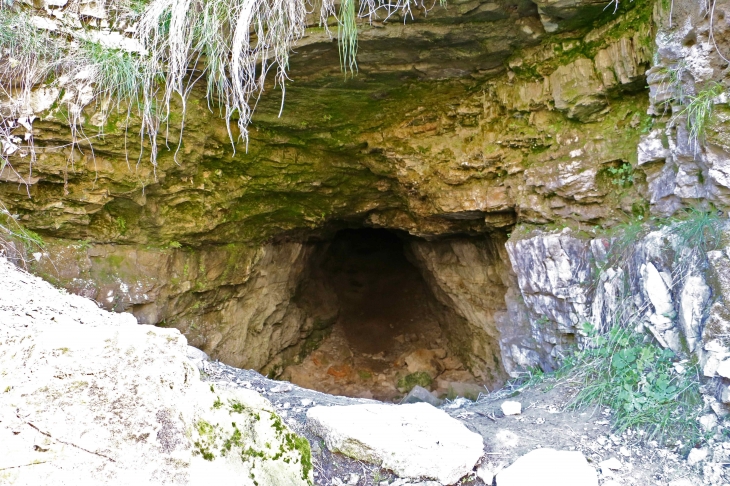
(458, 126)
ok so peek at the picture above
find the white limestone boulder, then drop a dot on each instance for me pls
(91, 397)
(413, 440)
(548, 467)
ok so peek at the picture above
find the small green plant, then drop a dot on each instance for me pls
(622, 175)
(175, 244)
(420, 378)
(121, 225)
(637, 379)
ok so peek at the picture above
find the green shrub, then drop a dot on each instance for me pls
(636, 378)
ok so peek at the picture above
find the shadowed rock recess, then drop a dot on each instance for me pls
(438, 219)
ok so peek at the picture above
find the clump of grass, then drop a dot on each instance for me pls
(28, 55)
(115, 75)
(700, 230)
(347, 35)
(637, 379)
(699, 112)
(696, 232)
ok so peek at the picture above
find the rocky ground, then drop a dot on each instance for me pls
(91, 394)
(543, 423)
(338, 368)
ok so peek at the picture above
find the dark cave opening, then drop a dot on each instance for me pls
(381, 294)
(386, 333)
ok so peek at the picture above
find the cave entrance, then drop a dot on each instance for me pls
(386, 326)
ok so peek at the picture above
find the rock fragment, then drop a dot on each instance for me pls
(697, 455)
(420, 394)
(511, 408)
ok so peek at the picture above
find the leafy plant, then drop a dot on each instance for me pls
(638, 381)
(623, 175)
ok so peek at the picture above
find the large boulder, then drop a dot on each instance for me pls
(90, 394)
(413, 440)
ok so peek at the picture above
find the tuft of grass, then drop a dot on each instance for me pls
(347, 36)
(696, 233)
(700, 230)
(699, 112)
(28, 55)
(637, 379)
(116, 75)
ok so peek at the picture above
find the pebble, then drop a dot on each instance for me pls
(485, 473)
(283, 388)
(511, 408)
(696, 456)
(708, 422)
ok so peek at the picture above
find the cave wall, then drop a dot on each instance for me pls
(236, 302)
